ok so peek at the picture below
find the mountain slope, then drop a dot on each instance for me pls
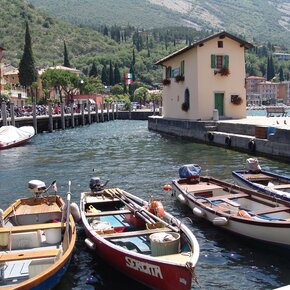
(47, 35)
(258, 20)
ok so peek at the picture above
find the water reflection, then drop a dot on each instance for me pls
(141, 162)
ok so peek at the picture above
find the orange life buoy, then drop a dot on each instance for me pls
(244, 214)
(156, 207)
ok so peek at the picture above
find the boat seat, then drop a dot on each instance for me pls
(271, 210)
(135, 233)
(29, 228)
(104, 213)
(280, 186)
(28, 255)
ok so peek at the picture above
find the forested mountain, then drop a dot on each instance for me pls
(128, 48)
(258, 20)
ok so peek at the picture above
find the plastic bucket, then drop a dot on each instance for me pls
(53, 236)
(164, 244)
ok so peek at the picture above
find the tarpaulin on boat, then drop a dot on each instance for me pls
(189, 171)
(11, 134)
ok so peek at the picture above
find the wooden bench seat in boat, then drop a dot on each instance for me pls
(228, 197)
(28, 228)
(177, 258)
(104, 213)
(135, 233)
(28, 255)
(280, 186)
(257, 176)
(271, 210)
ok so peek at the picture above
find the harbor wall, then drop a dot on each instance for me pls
(253, 139)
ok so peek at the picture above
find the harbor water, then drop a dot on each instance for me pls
(141, 162)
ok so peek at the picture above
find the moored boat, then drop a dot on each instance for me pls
(239, 210)
(139, 238)
(263, 181)
(37, 239)
(10, 136)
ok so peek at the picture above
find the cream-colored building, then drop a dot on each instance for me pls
(206, 76)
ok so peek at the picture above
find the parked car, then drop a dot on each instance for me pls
(135, 105)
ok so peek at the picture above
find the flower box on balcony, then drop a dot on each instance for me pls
(224, 71)
(179, 78)
(166, 82)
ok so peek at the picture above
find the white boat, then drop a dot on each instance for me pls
(263, 181)
(10, 136)
(236, 209)
(139, 239)
(37, 240)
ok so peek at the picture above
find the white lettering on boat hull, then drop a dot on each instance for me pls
(143, 267)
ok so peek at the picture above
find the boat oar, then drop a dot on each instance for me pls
(150, 214)
(132, 207)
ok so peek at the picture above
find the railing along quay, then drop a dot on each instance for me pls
(51, 122)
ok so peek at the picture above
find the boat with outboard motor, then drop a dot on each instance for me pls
(37, 239)
(10, 136)
(263, 181)
(237, 209)
(139, 238)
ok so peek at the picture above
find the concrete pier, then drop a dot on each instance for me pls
(257, 135)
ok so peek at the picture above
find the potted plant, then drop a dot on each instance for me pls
(179, 78)
(224, 71)
(166, 82)
(236, 100)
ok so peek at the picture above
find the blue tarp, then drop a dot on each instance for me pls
(189, 171)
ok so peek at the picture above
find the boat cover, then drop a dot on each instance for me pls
(11, 134)
(189, 171)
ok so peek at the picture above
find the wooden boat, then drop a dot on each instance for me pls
(139, 239)
(263, 181)
(37, 238)
(239, 210)
(11, 136)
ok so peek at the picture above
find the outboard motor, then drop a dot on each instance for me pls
(95, 184)
(37, 187)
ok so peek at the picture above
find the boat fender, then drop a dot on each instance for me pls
(198, 212)
(220, 221)
(181, 198)
(252, 145)
(75, 212)
(156, 207)
(210, 136)
(228, 141)
(244, 214)
(90, 244)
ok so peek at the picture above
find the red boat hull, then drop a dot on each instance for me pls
(154, 274)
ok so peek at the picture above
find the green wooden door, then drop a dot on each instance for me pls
(219, 103)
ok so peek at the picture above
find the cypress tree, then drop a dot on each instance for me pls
(281, 74)
(133, 57)
(27, 71)
(117, 75)
(111, 74)
(104, 76)
(93, 72)
(65, 56)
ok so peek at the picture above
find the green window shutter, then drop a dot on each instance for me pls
(182, 68)
(168, 72)
(213, 61)
(226, 61)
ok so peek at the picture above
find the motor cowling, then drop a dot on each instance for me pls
(95, 184)
(37, 186)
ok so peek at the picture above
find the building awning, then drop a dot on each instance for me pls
(92, 101)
